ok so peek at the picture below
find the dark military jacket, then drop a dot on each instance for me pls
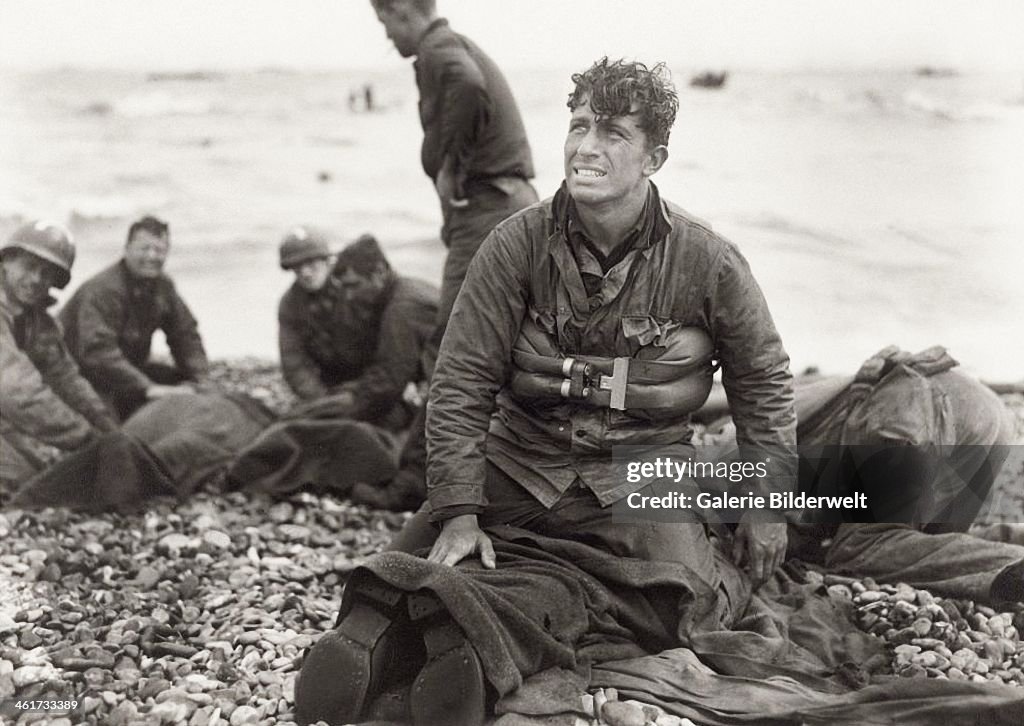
(467, 110)
(677, 273)
(372, 350)
(109, 324)
(42, 394)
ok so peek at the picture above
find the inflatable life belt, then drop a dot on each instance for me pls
(673, 385)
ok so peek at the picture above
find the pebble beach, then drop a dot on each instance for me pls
(197, 612)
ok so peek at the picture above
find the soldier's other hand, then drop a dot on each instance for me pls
(448, 189)
(415, 395)
(759, 545)
(460, 537)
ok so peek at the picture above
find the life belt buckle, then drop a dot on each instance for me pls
(578, 378)
(616, 383)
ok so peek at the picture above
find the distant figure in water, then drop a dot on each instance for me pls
(362, 95)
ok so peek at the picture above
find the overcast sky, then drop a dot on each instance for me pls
(751, 34)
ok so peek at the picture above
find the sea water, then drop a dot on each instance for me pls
(874, 207)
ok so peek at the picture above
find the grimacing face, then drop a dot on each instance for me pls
(607, 159)
(27, 278)
(312, 274)
(145, 254)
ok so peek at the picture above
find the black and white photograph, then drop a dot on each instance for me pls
(534, 363)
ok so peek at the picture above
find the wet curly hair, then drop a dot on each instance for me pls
(612, 87)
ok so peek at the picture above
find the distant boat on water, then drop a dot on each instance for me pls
(709, 79)
(185, 76)
(933, 72)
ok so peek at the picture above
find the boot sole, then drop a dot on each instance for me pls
(450, 689)
(345, 669)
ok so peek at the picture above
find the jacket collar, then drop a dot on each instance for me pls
(655, 221)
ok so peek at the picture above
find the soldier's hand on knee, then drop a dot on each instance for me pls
(460, 537)
(759, 545)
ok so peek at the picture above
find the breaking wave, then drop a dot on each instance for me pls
(911, 103)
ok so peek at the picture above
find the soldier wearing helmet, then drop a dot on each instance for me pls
(352, 335)
(110, 320)
(46, 407)
(349, 326)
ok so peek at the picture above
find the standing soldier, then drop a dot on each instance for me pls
(45, 405)
(474, 150)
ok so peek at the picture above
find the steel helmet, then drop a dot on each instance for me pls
(301, 245)
(48, 241)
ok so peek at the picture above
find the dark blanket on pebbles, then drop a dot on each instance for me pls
(174, 445)
(576, 618)
(321, 454)
(170, 447)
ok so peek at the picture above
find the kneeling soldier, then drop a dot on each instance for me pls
(45, 405)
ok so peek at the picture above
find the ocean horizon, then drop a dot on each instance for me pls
(876, 207)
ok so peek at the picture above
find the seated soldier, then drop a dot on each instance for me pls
(110, 320)
(352, 335)
(351, 331)
(46, 407)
